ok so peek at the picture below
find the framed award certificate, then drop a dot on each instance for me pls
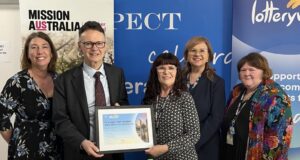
(124, 128)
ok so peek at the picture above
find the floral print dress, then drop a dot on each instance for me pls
(270, 122)
(32, 134)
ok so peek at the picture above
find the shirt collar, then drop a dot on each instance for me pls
(91, 71)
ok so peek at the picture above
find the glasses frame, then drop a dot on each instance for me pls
(161, 69)
(90, 44)
(201, 51)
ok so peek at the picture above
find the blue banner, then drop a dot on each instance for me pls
(271, 27)
(144, 29)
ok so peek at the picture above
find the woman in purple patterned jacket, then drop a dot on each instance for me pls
(258, 120)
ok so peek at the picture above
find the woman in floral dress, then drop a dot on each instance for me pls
(28, 95)
(258, 120)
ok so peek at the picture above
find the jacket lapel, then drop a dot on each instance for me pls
(110, 82)
(78, 85)
(256, 122)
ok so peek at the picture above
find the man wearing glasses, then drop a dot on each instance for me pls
(76, 96)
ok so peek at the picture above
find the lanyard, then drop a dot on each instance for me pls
(159, 110)
(231, 130)
(240, 107)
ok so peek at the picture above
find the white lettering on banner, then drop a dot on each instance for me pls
(135, 87)
(296, 118)
(290, 87)
(217, 56)
(272, 14)
(227, 57)
(292, 98)
(152, 21)
(153, 54)
(282, 77)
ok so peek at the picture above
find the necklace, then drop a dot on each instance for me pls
(248, 95)
(192, 86)
(159, 110)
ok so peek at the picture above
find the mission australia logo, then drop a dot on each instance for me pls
(51, 20)
(276, 11)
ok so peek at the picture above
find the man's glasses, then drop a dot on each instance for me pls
(90, 44)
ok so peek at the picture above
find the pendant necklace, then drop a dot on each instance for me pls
(159, 110)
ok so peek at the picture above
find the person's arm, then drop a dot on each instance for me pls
(8, 101)
(157, 150)
(90, 148)
(191, 127)
(213, 122)
(6, 135)
(278, 128)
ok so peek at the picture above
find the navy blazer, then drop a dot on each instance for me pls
(209, 97)
(70, 108)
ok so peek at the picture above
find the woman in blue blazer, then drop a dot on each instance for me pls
(208, 92)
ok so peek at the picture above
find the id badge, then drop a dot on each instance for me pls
(229, 138)
(231, 130)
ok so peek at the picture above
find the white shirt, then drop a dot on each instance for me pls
(89, 86)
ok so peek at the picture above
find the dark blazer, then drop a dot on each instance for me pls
(70, 109)
(209, 97)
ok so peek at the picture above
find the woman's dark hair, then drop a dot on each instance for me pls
(153, 87)
(25, 61)
(256, 60)
(209, 71)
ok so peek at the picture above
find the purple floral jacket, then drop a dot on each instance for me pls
(270, 122)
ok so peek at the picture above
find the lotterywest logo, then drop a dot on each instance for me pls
(272, 14)
(51, 20)
(151, 21)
